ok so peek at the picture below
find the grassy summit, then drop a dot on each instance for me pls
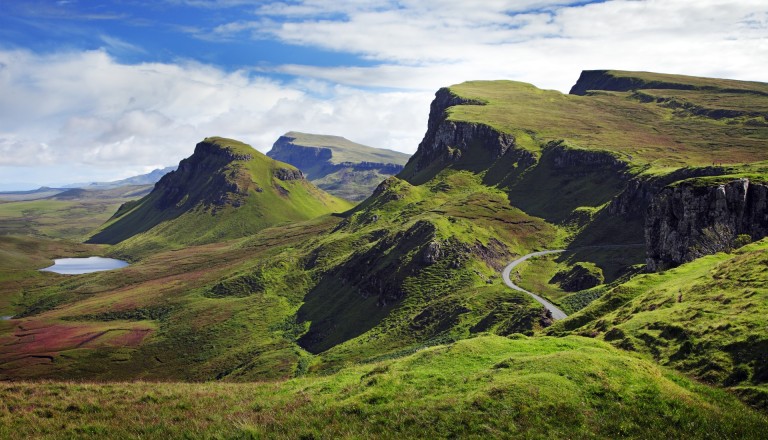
(345, 150)
(652, 127)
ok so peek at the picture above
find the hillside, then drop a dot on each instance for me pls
(226, 189)
(706, 318)
(343, 168)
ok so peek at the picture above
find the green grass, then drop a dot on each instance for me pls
(21, 256)
(477, 388)
(73, 219)
(706, 318)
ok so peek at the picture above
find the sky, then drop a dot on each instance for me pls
(99, 91)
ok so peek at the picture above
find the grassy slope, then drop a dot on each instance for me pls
(268, 280)
(476, 388)
(345, 150)
(163, 318)
(707, 318)
(195, 219)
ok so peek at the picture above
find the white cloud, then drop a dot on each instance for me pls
(84, 107)
(426, 45)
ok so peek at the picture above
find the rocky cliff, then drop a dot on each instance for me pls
(337, 165)
(689, 220)
(448, 141)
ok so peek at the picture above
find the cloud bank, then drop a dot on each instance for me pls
(87, 109)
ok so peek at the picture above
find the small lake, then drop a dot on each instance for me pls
(76, 266)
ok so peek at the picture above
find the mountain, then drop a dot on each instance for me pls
(226, 189)
(44, 192)
(343, 168)
(142, 179)
(655, 196)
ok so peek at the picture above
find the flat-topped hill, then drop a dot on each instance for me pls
(344, 150)
(341, 167)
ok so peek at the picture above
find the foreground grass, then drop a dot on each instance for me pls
(483, 387)
(706, 318)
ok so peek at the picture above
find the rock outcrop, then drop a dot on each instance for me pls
(580, 276)
(687, 221)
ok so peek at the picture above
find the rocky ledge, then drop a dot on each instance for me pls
(690, 220)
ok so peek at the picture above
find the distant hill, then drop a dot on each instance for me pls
(341, 167)
(45, 192)
(34, 194)
(226, 189)
(143, 179)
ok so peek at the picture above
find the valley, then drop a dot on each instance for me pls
(545, 265)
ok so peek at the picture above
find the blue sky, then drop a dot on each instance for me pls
(104, 90)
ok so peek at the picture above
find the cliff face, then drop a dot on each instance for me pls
(208, 161)
(639, 192)
(606, 80)
(300, 156)
(687, 221)
(448, 141)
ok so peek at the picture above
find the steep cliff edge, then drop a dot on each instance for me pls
(337, 165)
(467, 145)
(689, 220)
(624, 81)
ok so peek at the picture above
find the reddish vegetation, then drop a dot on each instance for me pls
(48, 340)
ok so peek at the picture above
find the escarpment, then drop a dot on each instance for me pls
(447, 141)
(337, 165)
(687, 221)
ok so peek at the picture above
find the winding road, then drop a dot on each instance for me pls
(556, 313)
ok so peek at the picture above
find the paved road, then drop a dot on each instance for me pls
(556, 313)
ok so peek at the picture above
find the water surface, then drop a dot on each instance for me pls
(76, 266)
